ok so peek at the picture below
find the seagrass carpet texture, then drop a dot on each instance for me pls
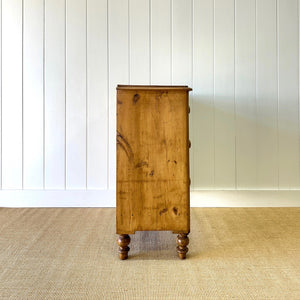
(71, 253)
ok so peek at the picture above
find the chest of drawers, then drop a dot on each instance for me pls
(153, 183)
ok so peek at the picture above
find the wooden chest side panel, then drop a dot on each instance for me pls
(152, 161)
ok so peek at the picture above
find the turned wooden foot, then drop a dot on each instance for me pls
(123, 242)
(182, 242)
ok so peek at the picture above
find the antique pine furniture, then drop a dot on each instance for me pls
(153, 182)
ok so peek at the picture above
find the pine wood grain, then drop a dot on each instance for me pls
(152, 159)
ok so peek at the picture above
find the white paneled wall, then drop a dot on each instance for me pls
(12, 150)
(62, 59)
(54, 95)
(32, 94)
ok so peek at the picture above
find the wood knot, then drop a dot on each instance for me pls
(163, 211)
(141, 164)
(136, 98)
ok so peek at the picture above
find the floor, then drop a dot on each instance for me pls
(71, 253)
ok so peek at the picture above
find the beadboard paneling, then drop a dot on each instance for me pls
(267, 94)
(245, 96)
(55, 95)
(1, 96)
(12, 94)
(62, 59)
(288, 90)
(161, 42)
(97, 94)
(139, 41)
(33, 94)
(224, 99)
(76, 94)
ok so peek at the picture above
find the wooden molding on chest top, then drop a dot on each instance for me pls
(153, 182)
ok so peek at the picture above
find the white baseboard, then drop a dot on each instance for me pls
(106, 198)
(253, 198)
(57, 198)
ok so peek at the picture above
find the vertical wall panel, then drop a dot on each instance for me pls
(0, 94)
(55, 94)
(12, 94)
(266, 84)
(118, 71)
(182, 42)
(245, 94)
(224, 95)
(33, 90)
(139, 42)
(288, 89)
(76, 94)
(97, 96)
(161, 42)
(202, 112)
